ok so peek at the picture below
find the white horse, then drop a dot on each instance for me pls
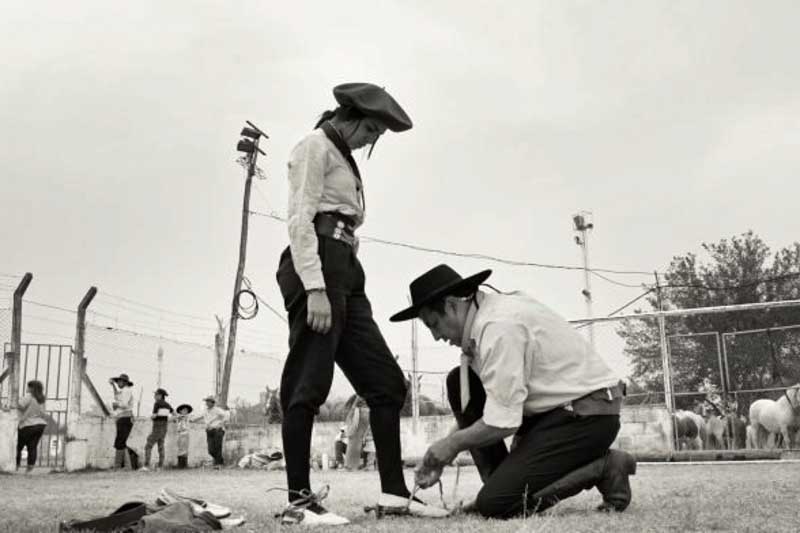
(771, 419)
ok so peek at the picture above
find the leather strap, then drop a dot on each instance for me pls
(332, 226)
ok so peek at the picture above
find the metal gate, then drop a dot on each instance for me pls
(52, 365)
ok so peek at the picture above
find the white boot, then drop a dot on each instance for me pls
(391, 504)
(307, 511)
(312, 514)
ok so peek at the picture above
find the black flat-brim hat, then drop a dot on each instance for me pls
(184, 407)
(162, 392)
(438, 282)
(374, 102)
(124, 378)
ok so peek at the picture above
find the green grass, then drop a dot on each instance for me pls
(681, 498)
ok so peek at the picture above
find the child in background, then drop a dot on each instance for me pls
(161, 412)
(182, 419)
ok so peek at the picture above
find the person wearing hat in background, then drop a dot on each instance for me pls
(182, 420)
(123, 413)
(160, 416)
(322, 284)
(214, 418)
(525, 371)
(340, 446)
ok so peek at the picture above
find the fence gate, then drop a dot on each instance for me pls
(52, 365)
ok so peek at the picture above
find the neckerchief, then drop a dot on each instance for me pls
(338, 142)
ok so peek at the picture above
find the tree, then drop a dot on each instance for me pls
(737, 271)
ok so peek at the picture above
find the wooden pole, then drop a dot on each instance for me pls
(237, 286)
(219, 355)
(414, 378)
(16, 341)
(78, 362)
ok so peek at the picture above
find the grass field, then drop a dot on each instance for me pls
(685, 498)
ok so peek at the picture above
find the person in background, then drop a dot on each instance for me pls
(182, 420)
(370, 462)
(214, 418)
(123, 412)
(340, 447)
(32, 423)
(160, 416)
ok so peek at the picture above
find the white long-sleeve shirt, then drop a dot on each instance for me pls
(529, 359)
(320, 180)
(123, 402)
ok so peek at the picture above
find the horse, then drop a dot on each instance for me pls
(777, 418)
(690, 429)
(724, 430)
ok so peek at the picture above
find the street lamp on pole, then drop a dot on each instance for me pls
(583, 224)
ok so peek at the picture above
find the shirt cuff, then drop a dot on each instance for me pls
(312, 280)
(498, 415)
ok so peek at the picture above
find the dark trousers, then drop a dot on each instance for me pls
(355, 343)
(156, 437)
(214, 438)
(124, 427)
(28, 437)
(550, 445)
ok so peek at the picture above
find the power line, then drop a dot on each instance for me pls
(474, 256)
(147, 306)
(732, 287)
(615, 282)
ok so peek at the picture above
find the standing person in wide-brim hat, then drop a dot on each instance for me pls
(161, 412)
(526, 372)
(123, 413)
(182, 422)
(322, 283)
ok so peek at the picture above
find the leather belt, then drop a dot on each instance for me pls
(336, 226)
(607, 401)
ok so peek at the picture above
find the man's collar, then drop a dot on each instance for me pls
(466, 336)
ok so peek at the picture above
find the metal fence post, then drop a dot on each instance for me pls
(78, 363)
(666, 364)
(16, 341)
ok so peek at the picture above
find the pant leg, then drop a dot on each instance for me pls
(32, 442)
(308, 371)
(487, 458)
(557, 443)
(160, 443)
(148, 447)
(22, 439)
(372, 369)
(219, 438)
(210, 442)
(124, 427)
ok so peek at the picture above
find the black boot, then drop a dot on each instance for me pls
(608, 473)
(182, 461)
(615, 485)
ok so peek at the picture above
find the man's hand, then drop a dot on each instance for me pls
(441, 452)
(319, 311)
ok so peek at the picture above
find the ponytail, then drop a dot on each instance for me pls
(342, 113)
(324, 117)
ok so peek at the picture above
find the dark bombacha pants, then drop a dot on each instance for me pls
(355, 343)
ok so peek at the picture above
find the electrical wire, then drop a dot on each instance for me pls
(472, 255)
(246, 312)
(731, 287)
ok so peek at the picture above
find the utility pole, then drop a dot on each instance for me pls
(219, 354)
(583, 224)
(248, 144)
(160, 358)
(414, 378)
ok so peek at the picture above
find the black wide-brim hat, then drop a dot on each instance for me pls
(374, 102)
(124, 378)
(184, 407)
(438, 282)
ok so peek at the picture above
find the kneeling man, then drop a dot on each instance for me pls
(525, 372)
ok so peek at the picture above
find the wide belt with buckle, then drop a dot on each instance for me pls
(335, 226)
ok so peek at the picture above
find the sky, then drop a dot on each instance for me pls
(672, 122)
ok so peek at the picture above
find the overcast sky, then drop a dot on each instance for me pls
(674, 122)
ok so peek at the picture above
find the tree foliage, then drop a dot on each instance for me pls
(738, 270)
